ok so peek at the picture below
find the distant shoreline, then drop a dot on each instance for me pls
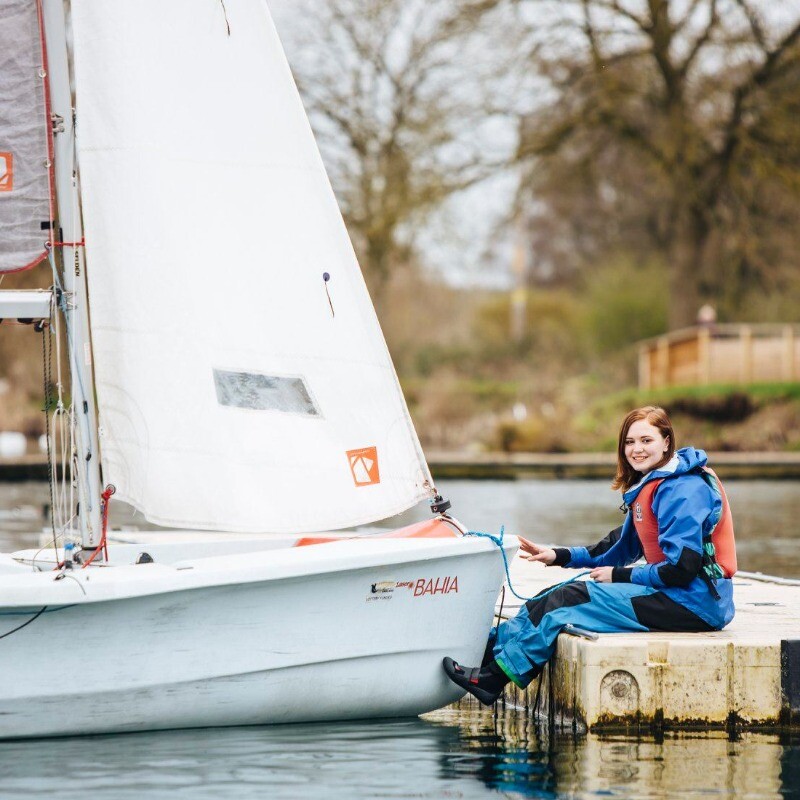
(514, 466)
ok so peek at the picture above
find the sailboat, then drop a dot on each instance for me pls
(228, 376)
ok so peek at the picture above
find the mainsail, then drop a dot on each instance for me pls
(25, 163)
(242, 378)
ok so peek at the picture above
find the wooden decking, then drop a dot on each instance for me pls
(726, 354)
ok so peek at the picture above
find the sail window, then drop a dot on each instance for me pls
(264, 392)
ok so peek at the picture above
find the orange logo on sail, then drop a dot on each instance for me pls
(6, 172)
(364, 466)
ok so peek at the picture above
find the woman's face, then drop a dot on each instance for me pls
(644, 446)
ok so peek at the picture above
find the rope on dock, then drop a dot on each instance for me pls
(760, 576)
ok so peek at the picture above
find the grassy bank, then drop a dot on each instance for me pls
(755, 417)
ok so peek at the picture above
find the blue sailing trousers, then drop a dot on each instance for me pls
(523, 645)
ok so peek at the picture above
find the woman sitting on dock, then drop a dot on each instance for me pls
(674, 504)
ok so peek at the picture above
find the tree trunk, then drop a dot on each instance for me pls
(686, 266)
(684, 300)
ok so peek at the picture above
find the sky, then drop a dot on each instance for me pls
(460, 241)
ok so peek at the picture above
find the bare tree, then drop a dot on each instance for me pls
(402, 95)
(670, 125)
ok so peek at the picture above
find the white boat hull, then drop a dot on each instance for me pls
(346, 630)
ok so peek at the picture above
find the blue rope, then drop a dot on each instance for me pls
(498, 540)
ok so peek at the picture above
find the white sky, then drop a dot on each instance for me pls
(459, 241)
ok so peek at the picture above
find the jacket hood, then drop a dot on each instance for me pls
(689, 458)
(685, 460)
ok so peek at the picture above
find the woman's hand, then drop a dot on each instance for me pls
(601, 574)
(531, 551)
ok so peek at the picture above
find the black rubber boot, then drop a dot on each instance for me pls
(488, 653)
(485, 683)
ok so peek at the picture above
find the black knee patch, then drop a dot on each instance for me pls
(573, 594)
(660, 613)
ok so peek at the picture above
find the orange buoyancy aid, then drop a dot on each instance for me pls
(722, 539)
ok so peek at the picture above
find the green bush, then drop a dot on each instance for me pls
(550, 321)
(623, 303)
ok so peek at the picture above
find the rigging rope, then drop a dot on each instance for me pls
(47, 355)
(62, 427)
(498, 540)
(81, 476)
(81, 243)
(63, 421)
(20, 627)
(106, 497)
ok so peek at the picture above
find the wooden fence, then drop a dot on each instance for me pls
(721, 354)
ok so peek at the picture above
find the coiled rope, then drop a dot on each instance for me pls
(498, 540)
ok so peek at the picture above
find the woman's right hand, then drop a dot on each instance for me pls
(531, 551)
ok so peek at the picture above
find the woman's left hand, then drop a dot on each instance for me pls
(601, 574)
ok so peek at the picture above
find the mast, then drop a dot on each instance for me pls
(75, 301)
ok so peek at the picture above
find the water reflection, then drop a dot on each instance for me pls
(465, 752)
(501, 751)
(512, 756)
(400, 759)
(790, 766)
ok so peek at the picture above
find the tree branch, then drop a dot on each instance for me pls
(757, 80)
(753, 20)
(702, 40)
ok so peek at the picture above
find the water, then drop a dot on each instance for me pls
(766, 514)
(465, 753)
(449, 754)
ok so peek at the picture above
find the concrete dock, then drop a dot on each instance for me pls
(747, 675)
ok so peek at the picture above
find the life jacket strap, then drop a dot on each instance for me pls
(711, 570)
(709, 581)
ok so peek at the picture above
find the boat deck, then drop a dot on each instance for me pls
(746, 675)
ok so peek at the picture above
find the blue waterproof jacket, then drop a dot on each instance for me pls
(686, 508)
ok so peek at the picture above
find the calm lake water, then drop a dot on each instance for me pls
(766, 514)
(454, 753)
(449, 754)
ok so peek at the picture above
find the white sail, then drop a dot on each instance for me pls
(238, 390)
(25, 160)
